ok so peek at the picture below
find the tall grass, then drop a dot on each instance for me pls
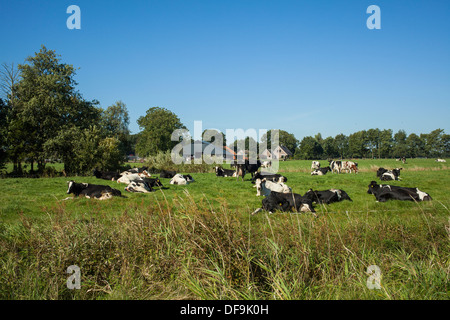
(188, 249)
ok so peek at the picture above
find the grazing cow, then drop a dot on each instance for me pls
(441, 160)
(315, 165)
(286, 202)
(167, 174)
(181, 179)
(338, 166)
(335, 166)
(320, 171)
(384, 193)
(327, 196)
(112, 176)
(240, 171)
(137, 186)
(264, 187)
(221, 172)
(386, 175)
(252, 168)
(88, 190)
(269, 177)
(349, 166)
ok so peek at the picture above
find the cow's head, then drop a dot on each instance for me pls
(373, 186)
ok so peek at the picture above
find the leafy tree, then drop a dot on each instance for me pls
(357, 143)
(385, 143)
(373, 141)
(341, 143)
(400, 146)
(434, 146)
(47, 104)
(3, 132)
(329, 148)
(284, 138)
(415, 146)
(115, 121)
(157, 127)
(309, 149)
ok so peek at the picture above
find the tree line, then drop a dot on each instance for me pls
(43, 117)
(375, 143)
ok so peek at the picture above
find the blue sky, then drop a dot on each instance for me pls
(301, 66)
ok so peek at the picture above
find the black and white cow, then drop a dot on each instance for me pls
(167, 174)
(221, 172)
(153, 182)
(88, 190)
(140, 187)
(340, 165)
(327, 196)
(269, 177)
(264, 187)
(286, 202)
(321, 171)
(386, 175)
(106, 175)
(181, 179)
(315, 165)
(384, 193)
(132, 177)
(252, 168)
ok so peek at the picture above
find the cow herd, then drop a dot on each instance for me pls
(278, 196)
(137, 180)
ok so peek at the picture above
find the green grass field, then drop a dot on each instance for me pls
(200, 242)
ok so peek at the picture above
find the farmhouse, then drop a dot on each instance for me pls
(280, 153)
(199, 148)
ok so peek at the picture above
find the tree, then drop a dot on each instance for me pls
(115, 121)
(9, 76)
(157, 127)
(284, 138)
(415, 146)
(3, 133)
(341, 143)
(400, 147)
(329, 148)
(357, 143)
(373, 140)
(385, 143)
(46, 103)
(309, 149)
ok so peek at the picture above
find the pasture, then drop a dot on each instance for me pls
(200, 242)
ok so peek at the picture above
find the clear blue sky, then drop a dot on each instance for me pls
(301, 66)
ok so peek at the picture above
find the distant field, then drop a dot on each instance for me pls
(200, 241)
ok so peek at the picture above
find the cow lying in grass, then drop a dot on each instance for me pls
(95, 191)
(384, 193)
(221, 172)
(286, 202)
(327, 196)
(269, 177)
(264, 187)
(320, 171)
(181, 179)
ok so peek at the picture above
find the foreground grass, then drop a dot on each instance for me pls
(200, 242)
